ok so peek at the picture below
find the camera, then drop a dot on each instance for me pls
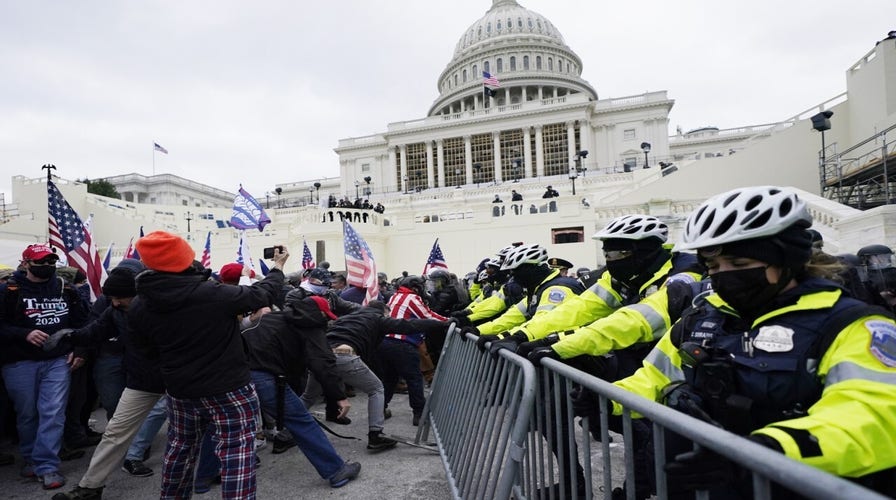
(269, 251)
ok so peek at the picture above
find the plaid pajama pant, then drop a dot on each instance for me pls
(232, 420)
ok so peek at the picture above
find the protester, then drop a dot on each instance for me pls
(189, 322)
(36, 303)
(514, 196)
(497, 199)
(550, 192)
(830, 400)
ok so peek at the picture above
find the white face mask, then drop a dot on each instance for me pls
(314, 289)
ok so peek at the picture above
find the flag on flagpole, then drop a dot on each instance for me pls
(359, 264)
(129, 251)
(108, 258)
(243, 256)
(489, 80)
(307, 259)
(248, 213)
(68, 233)
(206, 259)
(158, 147)
(436, 259)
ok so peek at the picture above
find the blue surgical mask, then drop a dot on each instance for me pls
(314, 289)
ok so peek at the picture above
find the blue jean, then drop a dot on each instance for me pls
(109, 377)
(402, 359)
(39, 392)
(209, 465)
(308, 435)
(147, 433)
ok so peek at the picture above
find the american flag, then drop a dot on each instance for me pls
(307, 259)
(68, 233)
(489, 80)
(436, 259)
(247, 212)
(361, 268)
(206, 259)
(158, 147)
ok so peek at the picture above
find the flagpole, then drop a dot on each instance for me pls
(153, 159)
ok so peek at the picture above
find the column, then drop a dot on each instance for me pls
(476, 103)
(403, 151)
(585, 136)
(523, 96)
(440, 161)
(430, 168)
(468, 158)
(527, 154)
(571, 142)
(496, 148)
(391, 168)
(507, 96)
(540, 93)
(539, 151)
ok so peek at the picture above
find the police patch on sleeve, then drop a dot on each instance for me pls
(883, 341)
(556, 296)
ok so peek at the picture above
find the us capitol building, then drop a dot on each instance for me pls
(438, 176)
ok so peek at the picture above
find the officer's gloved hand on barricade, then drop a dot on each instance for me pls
(508, 341)
(458, 329)
(543, 352)
(701, 469)
(526, 347)
(462, 317)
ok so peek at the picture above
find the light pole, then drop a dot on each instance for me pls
(573, 174)
(317, 189)
(279, 190)
(478, 168)
(367, 191)
(50, 168)
(822, 122)
(405, 179)
(645, 146)
(457, 178)
(357, 193)
(267, 195)
(189, 217)
(310, 195)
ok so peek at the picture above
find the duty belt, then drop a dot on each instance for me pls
(344, 349)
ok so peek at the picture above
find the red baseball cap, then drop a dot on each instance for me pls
(38, 251)
(323, 305)
(230, 273)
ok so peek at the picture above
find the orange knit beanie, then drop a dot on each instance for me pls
(166, 252)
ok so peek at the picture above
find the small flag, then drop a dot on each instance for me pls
(436, 259)
(359, 264)
(264, 267)
(307, 260)
(489, 80)
(243, 256)
(68, 233)
(108, 258)
(158, 147)
(247, 212)
(206, 259)
(131, 252)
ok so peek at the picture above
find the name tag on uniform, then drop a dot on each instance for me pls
(774, 338)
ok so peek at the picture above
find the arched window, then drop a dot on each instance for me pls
(455, 79)
(559, 65)
(498, 25)
(479, 32)
(550, 64)
(519, 22)
(525, 62)
(475, 71)
(512, 63)
(486, 67)
(500, 65)
(509, 24)
(488, 28)
(537, 62)
(465, 76)
(530, 23)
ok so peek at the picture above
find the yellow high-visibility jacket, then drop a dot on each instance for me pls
(546, 300)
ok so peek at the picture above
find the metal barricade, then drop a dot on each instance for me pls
(505, 428)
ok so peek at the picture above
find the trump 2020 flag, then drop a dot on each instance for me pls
(68, 233)
(206, 259)
(307, 259)
(247, 212)
(436, 259)
(359, 264)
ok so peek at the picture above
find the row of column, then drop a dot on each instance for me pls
(435, 167)
(478, 103)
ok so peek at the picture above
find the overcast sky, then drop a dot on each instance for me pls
(260, 92)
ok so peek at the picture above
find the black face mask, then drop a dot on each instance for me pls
(746, 290)
(42, 272)
(626, 269)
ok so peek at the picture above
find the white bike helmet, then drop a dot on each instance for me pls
(634, 227)
(502, 253)
(527, 254)
(743, 214)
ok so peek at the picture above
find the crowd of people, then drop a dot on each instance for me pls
(801, 341)
(360, 204)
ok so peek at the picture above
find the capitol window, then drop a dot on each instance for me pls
(525, 62)
(465, 76)
(498, 25)
(550, 64)
(512, 63)
(559, 65)
(500, 65)
(530, 23)
(519, 22)
(537, 62)
(488, 28)
(475, 71)
(486, 67)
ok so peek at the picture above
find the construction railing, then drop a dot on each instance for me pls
(505, 428)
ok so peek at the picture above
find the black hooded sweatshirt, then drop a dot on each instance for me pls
(190, 324)
(365, 328)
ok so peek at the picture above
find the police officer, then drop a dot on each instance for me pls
(830, 400)
(504, 291)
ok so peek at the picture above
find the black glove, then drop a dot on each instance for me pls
(698, 470)
(481, 341)
(462, 317)
(55, 338)
(526, 347)
(543, 352)
(507, 341)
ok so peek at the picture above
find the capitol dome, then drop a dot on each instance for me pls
(519, 47)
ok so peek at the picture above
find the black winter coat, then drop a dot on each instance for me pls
(191, 323)
(365, 328)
